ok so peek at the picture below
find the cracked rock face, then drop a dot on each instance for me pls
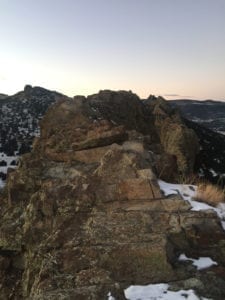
(84, 215)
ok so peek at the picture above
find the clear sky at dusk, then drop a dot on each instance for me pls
(173, 48)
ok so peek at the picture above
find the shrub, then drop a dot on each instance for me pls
(210, 194)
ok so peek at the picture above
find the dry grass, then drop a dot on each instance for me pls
(210, 194)
(192, 179)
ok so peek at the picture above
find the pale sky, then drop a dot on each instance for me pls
(173, 48)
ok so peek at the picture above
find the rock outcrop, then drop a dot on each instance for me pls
(83, 215)
(176, 138)
(21, 113)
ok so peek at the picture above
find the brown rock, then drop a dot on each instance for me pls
(177, 140)
(83, 214)
(138, 188)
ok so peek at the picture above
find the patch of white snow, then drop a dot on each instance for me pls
(214, 174)
(187, 191)
(110, 297)
(158, 292)
(200, 263)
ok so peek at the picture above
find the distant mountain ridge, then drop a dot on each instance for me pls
(209, 113)
(198, 101)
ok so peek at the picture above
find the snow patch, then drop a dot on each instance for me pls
(214, 174)
(186, 191)
(110, 297)
(158, 292)
(8, 160)
(200, 263)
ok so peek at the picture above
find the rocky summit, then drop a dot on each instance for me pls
(83, 215)
(19, 125)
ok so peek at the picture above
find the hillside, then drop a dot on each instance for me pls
(87, 213)
(19, 122)
(210, 114)
(210, 160)
(19, 117)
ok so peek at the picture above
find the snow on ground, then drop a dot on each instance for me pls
(159, 292)
(222, 132)
(187, 192)
(8, 160)
(200, 263)
(214, 174)
(110, 297)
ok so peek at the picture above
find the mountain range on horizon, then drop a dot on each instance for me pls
(185, 100)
